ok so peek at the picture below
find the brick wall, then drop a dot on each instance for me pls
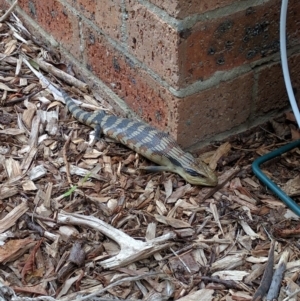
(195, 68)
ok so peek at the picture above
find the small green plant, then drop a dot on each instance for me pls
(73, 188)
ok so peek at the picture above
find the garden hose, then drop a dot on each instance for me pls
(270, 184)
(255, 165)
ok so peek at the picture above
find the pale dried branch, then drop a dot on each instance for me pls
(131, 249)
(277, 277)
(67, 164)
(8, 12)
(292, 295)
(71, 80)
(267, 276)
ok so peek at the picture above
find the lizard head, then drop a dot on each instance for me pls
(195, 171)
(199, 174)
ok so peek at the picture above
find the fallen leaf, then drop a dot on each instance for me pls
(15, 248)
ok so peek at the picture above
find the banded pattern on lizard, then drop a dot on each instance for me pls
(146, 140)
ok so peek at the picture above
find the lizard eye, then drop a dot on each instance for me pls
(192, 172)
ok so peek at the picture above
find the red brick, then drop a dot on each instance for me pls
(4, 5)
(232, 41)
(141, 92)
(204, 114)
(183, 8)
(56, 20)
(214, 110)
(86, 7)
(152, 41)
(271, 91)
(109, 17)
(105, 13)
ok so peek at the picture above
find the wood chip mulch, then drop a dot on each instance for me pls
(80, 221)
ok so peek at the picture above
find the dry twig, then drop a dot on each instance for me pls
(267, 277)
(8, 12)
